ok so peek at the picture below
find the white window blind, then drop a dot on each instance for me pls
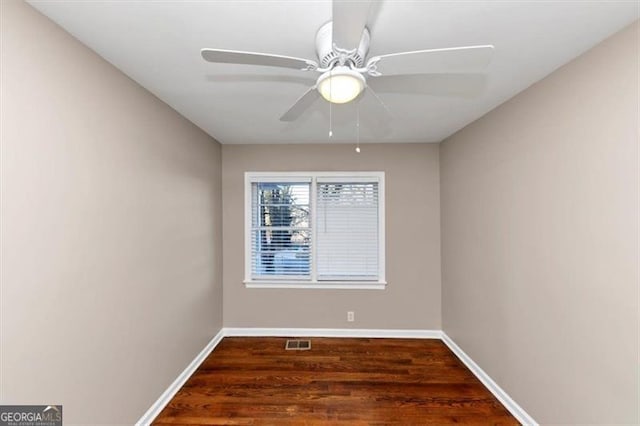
(347, 230)
(314, 229)
(280, 230)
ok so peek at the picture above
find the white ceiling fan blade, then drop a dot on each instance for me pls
(251, 58)
(386, 112)
(456, 85)
(301, 105)
(374, 114)
(434, 61)
(349, 20)
(303, 80)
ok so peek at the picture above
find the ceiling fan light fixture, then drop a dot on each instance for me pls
(341, 85)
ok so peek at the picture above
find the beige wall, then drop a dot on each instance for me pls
(540, 240)
(412, 297)
(111, 223)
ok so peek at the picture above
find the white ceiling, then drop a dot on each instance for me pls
(157, 43)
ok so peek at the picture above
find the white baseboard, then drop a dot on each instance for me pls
(332, 332)
(174, 387)
(516, 410)
(487, 381)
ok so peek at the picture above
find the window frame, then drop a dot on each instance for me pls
(312, 178)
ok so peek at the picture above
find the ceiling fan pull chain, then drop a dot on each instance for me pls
(358, 128)
(330, 108)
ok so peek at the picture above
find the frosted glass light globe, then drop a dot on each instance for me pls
(341, 85)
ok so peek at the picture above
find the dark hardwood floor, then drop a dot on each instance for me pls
(247, 381)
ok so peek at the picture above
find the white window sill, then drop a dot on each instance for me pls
(327, 285)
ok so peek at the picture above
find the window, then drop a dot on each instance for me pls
(314, 230)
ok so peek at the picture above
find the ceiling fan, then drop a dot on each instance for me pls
(342, 46)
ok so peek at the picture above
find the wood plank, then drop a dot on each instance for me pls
(341, 381)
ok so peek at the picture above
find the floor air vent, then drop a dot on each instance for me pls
(298, 345)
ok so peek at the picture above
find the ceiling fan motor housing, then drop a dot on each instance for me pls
(327, 54)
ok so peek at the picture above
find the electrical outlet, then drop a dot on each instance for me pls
(351, 317)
